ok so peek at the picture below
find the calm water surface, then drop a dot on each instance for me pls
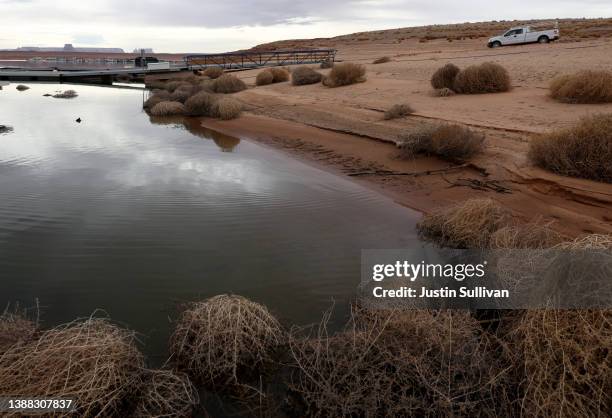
(135, 216)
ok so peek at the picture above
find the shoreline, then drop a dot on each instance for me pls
(574, 206)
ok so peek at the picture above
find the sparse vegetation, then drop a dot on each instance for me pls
(345, 74)
(584, 150)
(228, 83)
(168, 108)
(227, 108)
(587, 86)
(488, 77)
(444, 77)
(381, 60)
(398, 111)
(68, 94)
(15, 328)
(225, 341)
(398, 363)
(467, 225)
(165, 394)
(92, 361)
(21, 87)
(264, 78)
(304, 75)
(200, 104)
(566, 360)
(449, 141)
(213, 72)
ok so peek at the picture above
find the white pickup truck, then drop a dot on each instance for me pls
(524, 35)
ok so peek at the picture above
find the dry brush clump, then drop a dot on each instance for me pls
(588, 86)
(531, 235)
(398, 111)
(381, 60)
(156, 97)
(488, 77)
(304, 75)
(172, 85)
(280, 74)
(264, 78)
(165, 393)
(345, 74)
(15, 328)
(227, 108)
(565, 357)
(584, 150)
(200, 104)
(213, 72)
(444, 77)
(326, 64)
(410, 363)
(226, 342)
(466, 225)
(92, 361)
(227, 83)
(167, 108)
(449, 141)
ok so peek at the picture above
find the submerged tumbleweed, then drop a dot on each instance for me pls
(225, 341)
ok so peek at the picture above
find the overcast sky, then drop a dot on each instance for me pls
(222, 25)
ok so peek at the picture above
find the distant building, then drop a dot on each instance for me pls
(69, 48)
(146, 50)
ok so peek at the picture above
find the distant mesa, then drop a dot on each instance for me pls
(68, 48)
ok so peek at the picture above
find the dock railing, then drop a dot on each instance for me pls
(254, 59)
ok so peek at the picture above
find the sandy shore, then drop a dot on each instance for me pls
(343, 128)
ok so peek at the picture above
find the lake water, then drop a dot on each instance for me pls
(135, 216)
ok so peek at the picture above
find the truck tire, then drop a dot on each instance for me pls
(496, 44)
(543, 39)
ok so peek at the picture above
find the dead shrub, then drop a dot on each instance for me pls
(280, 74)
(304, 75)
(228, 83)
(443, 92)
(450, 141)
(488, 77)
(345, 74)
(397, 363)
(227, 108)
(587, 86)
(67, 94)
(588, 242)
(327, 64)
(531, 235)
(92, 361)
(181, 94)
(168, 108)
(170, 86)
(213, 72)
(200, 104)
(444, 77)
(21, 87)
(225, 342)
(584, 150)
(466, 225)
(398, 111)
(566, 360)
(15, 328)
(156, 98)
(381, 60)
(264, 78)
(166, 393)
